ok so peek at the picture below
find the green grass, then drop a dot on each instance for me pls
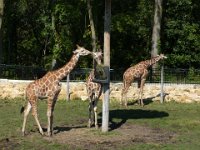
(182, 119)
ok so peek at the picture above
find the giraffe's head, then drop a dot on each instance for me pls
(162, 56)
(97, 56)
(157, 58)
(81, 51)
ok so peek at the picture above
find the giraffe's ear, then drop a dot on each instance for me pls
(78, 46)
(100, 51)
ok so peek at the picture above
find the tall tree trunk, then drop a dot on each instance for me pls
(156, 28)
(91, 25)
(106, 86)
(55, 35)
(53, 63)
(1, 19)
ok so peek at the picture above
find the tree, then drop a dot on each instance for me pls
(106, 87)
(89, 7)
(156, 28)
(181, 33)
(28, 38)
(1, 20)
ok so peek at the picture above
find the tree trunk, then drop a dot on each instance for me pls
(106, 86)
(53, 63)
(91, 25)
(156, 29)
(1, 19)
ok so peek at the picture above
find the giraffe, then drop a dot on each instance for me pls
(94, 91)
(49, 87)
(139, 72)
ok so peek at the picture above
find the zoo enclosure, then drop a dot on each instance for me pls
(171, 75)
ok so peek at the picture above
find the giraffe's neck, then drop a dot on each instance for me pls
(92, 73)
(152, 61)
(67, 68)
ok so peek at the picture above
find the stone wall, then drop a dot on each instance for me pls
(180, 93)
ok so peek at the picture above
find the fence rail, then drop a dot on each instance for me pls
(171, 75)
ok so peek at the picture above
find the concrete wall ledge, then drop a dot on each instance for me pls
(185, 93)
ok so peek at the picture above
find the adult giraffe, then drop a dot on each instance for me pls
(49, 87)
(139, 72)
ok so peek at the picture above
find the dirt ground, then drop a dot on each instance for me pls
(126, 135)
(81, 137)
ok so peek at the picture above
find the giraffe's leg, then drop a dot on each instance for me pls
(122, 93)
(35, 115)
(49, 116)
(95, 113)
(122, 97)
(26, 112)
(90, 113)
(90, 108)
(125, 91)
(50, 109)
(141, 92)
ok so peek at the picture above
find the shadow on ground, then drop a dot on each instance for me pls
(58, 129)
(126, 114)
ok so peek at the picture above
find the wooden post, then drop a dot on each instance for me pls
(67, 89)
(162, 85)
(106, 87)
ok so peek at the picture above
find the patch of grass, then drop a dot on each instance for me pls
(181, 119)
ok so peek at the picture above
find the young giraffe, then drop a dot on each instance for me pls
(94, 91)
(139, 72)
(49, 87)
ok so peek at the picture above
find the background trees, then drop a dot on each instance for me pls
(36, 32)
(1, 19)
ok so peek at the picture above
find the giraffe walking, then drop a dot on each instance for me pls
(137, 72)
(49, 87)
(94, 91)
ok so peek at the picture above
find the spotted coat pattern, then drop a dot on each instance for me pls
(94, 91)
(138, 72)
(49, 87)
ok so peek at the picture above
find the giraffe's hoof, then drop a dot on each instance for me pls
(41, 132)
(89, 125)
(97, 126)
(49, 134)
(23, 133)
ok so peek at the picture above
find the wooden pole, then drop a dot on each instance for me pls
(162, 85)
(106, 87)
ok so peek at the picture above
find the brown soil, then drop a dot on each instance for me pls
(124, 136)
(81, 137)
(8, 143)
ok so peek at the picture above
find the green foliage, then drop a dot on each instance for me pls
(181, 34)
(35, 32)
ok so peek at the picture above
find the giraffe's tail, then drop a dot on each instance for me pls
(124, 83)
(23, 107)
